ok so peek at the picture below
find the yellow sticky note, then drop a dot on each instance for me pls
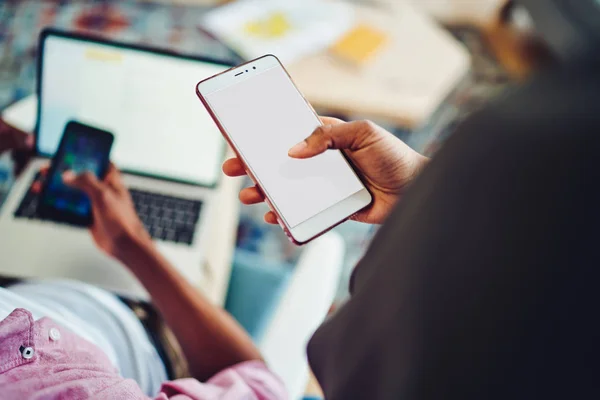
(274, 26)
(360, 44)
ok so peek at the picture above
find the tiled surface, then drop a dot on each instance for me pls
(172, 27)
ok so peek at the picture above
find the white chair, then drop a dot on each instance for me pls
(303, 307)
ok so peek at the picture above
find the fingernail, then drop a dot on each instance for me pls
(29, 141)
(68, 176)
(298, 149)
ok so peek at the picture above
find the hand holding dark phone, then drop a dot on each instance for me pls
(82, 148)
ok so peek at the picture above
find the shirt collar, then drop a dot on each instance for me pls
(17, 338)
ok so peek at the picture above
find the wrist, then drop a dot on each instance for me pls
(130, 248)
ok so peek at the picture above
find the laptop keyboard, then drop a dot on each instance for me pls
(166, 218)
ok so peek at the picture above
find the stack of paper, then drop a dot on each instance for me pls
(289, 29)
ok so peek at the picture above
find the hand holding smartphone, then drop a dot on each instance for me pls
(262, 115)
(82, 148)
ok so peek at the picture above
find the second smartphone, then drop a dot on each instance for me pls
(82, 148)
(262, 115)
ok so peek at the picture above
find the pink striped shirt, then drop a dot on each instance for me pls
(42, 360)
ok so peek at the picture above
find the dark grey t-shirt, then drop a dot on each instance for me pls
(484, 282)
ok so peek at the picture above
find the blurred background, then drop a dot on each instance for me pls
(486, 45)
(416, 67)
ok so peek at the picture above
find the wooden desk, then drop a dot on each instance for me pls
(403, 84)
(406, 81)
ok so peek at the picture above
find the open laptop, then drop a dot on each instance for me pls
(165, 143)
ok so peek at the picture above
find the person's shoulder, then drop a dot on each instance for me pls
(561, 103)
(563, 92)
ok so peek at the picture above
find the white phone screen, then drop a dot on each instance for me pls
(264, 116)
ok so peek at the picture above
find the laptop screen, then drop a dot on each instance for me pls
(147, 100)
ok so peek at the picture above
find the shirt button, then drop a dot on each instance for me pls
(54, 334)
(27, 352)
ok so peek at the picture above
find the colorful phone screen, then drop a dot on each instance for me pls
(82, 149)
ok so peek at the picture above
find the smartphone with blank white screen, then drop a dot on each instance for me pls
(262, 115)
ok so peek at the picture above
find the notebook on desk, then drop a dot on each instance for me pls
(411, 73)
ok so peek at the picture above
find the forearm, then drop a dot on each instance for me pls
(210, 338)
